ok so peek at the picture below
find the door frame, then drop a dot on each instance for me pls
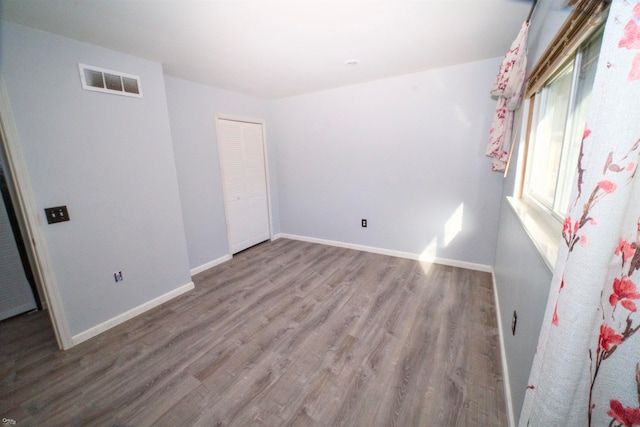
(30, 220)
(262, 123)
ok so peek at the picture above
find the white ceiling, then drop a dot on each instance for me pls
(274, 49)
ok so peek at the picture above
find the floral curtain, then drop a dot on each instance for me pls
(586, 370)
(508, 89)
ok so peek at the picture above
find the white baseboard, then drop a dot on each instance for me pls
(390, 252)
(210, 264)
(503, 357)
(121, 318)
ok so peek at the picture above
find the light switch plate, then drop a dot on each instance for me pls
(56, 214)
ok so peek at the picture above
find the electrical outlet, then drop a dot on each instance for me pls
(364, 223)
(514, 321)
(118, 276)
(57, 214)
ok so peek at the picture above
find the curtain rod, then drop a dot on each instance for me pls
(533, 7)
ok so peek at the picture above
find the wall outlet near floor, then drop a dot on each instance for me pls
(118, 276)
(514, 321)
(364, 223)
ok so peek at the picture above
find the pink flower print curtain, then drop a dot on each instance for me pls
(508, 88)
(586, 371)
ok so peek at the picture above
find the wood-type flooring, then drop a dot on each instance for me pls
(287, 333)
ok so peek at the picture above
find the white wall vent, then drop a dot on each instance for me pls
(108, 81)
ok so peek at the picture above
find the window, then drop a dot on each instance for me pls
(558, 89)
(557, 127)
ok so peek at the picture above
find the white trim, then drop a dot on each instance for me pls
(210, 264)
(544, 237)
(503, 356)
(262, 123)
(390, 252)
(237, 118)
(130, 314)
(31, 221)
(267, 174)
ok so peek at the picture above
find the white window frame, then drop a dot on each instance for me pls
(529, 194)
(542, 226)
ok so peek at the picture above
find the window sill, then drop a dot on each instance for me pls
(544, 237)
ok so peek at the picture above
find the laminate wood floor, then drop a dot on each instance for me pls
(287, 333)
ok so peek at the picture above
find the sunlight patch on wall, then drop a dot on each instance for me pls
(453, 226)
(428, 255)
(462, 116)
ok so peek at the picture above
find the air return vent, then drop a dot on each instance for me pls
(108, 81)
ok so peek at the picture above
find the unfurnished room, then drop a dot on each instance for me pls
(319, 213)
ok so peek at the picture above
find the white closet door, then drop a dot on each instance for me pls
(242, 162)
(15, 292)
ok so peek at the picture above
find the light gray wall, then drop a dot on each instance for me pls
(192, 109)
(108, 158)
(522, 281)
(522, 278)
(404, 153)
